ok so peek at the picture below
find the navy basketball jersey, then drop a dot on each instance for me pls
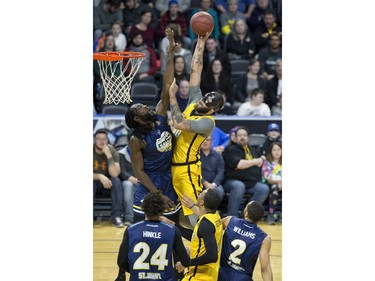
(157, 155)
(241, 244)
(150, 251)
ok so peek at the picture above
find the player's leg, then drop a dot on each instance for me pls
(187, 181)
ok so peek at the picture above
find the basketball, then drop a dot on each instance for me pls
(201, 23)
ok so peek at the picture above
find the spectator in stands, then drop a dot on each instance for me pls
(108, 46)
(274, 86)
(205, 6)
(151, 36)
(162, 6)
(256, 18)
(219, 140)
(228, 18)
(244, 6)
(273, 135)
(148, 67)
(277, 7)
(176, 17)
(255, 106)
(277, 109)
(105, 14)
(232, 135)
(272, 175)
(269, 55)
(243, 172)
(129, 182)
(248, 82)
(216, 79)
(182, 95)
(120, 38)
(133, 13)
(178, 51)
(181, 72)
(106, 171)
(212, 167)
(268, 27)
(212, 51)
(240, 42)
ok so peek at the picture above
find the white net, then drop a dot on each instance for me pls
(117, 78)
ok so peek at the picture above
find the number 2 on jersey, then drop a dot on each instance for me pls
(241, 248)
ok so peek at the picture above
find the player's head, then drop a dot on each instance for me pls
(254, 211)
(100, 138)
(210, 199)
(153, 204)
(140, 118)
(210, 103)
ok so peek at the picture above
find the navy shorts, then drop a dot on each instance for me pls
(164, 183)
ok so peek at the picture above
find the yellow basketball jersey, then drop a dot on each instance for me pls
(208, 271)
(187, 146)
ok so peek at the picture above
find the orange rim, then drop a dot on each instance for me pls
(115, 56)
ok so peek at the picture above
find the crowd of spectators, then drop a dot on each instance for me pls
(248, 30)
(239, 171)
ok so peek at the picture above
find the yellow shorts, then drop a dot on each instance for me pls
(186, 180)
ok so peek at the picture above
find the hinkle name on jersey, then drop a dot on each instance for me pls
(152, 234)
(244, 233)
(149, 275)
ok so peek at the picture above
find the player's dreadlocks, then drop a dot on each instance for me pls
(139, 128)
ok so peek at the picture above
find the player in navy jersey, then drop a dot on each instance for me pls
(147, 246)
(243, 242)
(151, 151)
(151, 146)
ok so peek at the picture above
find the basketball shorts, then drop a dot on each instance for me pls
(187, 181)
(164, 183)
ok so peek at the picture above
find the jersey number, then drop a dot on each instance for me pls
(241, 248)
(159, 258)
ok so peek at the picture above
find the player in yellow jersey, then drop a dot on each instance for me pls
(205, 244)
(195, 123)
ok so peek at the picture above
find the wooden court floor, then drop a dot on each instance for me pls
(107, 240)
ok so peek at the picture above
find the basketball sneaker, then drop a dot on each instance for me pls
(117, 221)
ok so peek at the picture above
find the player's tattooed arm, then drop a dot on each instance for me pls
(176, 113)
(197, 61)
(178, 119)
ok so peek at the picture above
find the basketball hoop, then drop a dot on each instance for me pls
(116, 77)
